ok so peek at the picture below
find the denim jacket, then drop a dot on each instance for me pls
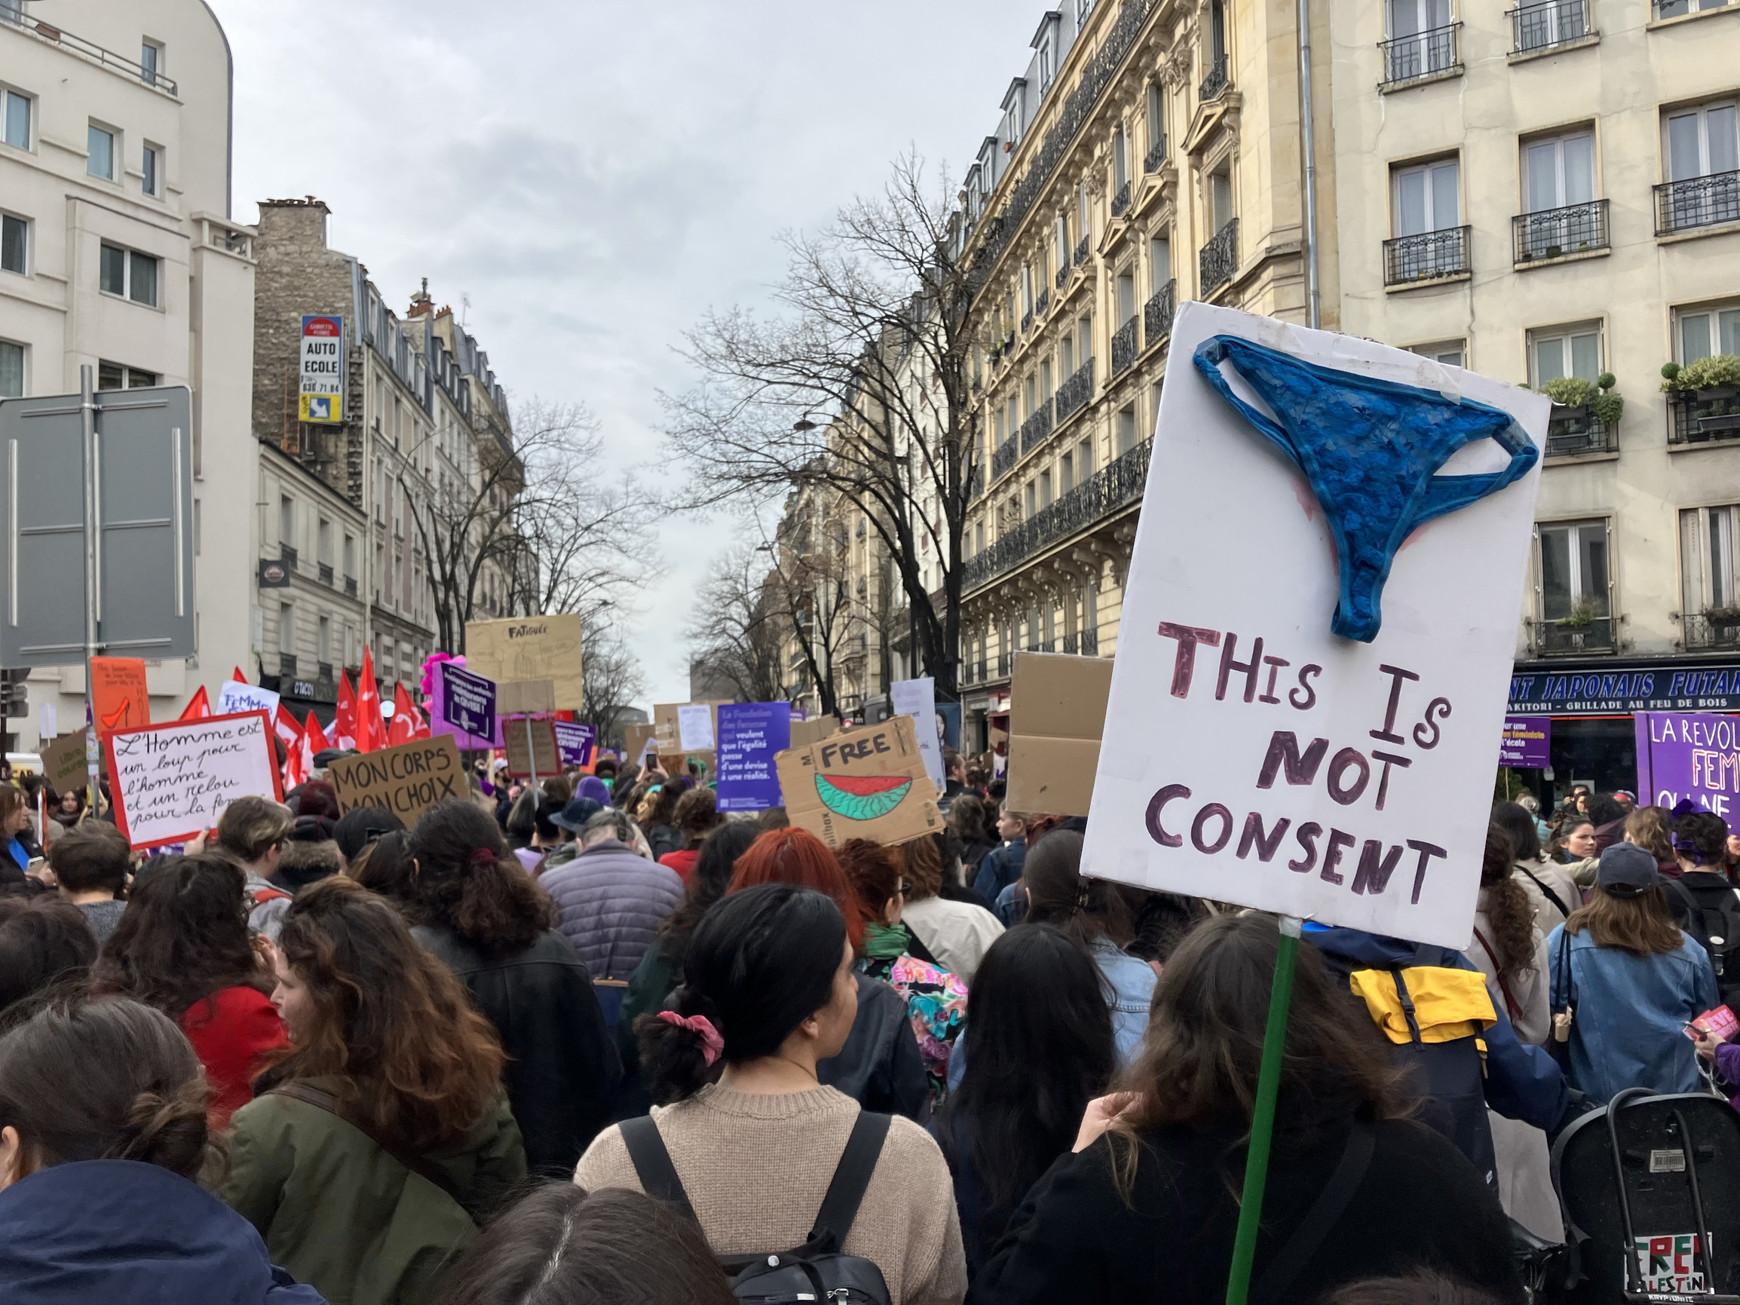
(1132, 982)
(1628, 1029)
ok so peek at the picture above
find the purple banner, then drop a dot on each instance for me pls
(575, 742)
(750, 734)
(463, 705)
(1527, 742)
(1688, 755)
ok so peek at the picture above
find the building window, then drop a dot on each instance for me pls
(128, 273)
(150, 60)
(1220, 197)
(1426, 207)
(1126, 429)
(1066, 473)
(1703, 168)
(286, 628)
(1560, 171)
(1422, 40)
(1120, 158)
(1707, 566)
(1452, 353)
(16, 113)
(14, 244)
(152, 170)
(116, 376)
(1047, 64)
(1564, 351)
(11, 370)
(1082, 9)
(1705, 331)
(1574, 579)
(323, 641)
(100, 152)
(1159, 262)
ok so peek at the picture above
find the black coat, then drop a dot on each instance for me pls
(880, 1066)
(562, 1065)
(1420, 1205)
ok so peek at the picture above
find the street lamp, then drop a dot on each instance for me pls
(803, 424)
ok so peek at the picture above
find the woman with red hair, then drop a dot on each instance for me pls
(880, 1065)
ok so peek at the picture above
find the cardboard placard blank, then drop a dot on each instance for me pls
(173, 780)
(406, 780)
(1057, 714)
(525, 697)
(865, 783)
(529, 648)
(806, 732)
(635, 739)
(531, 742)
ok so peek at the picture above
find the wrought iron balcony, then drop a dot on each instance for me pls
(1419, 54)
(1543, 25)
(1073, 394)
(1697, 202)
(1674, 8)
(1573, 432)
(1062, 277)
(1216, 81)
(1042, 303)
(1556, 232)
(323, 673)
(287, 666)
(1124, 346)
(1081, 250)
(287, 555)
(1704, 416)
(1426, 257)
(1084, 644)
(325, 573)
(1006, 455)
(1003, 666)
(1155, 157)
(1157, 315)
(1575, 635)
(1113, 487)
(1219, 258)
(1036, 428)
(350, 586)
(1026, 321)
(1121, 201)
(1715, 627)
(12, 13)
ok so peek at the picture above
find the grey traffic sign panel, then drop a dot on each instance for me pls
(145, 601)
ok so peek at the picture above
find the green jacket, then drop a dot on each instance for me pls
(343, 1215)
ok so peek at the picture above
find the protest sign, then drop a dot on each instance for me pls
(637, 740)
(236, 696)
(695, 727)
(173, 780)
(751, 735)
(525, 697)
(917, 699)
(530, 741)
(464, 706)
(406, 780)
(575, 741)
(1057, 712)
(119, 698)
(1688, 755)
(1275, 736)
(529, 648)
(64, 761)
(864, 783)
(1527, 742)
(806, 732)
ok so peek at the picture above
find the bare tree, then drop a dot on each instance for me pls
(874, 335)
(612, 679)
(737, 632)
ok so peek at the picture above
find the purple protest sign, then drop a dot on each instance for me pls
(575, 742)
(1688, 755)
(1527, 742)
(464, 706)
(749, 736)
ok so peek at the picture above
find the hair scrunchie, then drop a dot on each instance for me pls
(712, 1044)
(480, 858)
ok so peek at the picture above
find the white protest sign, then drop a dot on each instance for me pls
(235, 696)
(171, 781)
(917, 699)
(50, 719)
(1251, 755)
(695, 727)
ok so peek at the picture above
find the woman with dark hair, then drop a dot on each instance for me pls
(492, 925)
(386, 866)
(880, 1065)
(1146, 1208)
(382, 1138)
(658, 815)
(1101, 916)
(970, 820)
(45, 944)
(1552, 889)
(359, 829)
(768, 993)
(955, 931)
(1040, 1048)
(1704, 902)
(695, 816)
(103, 1137)
(183, 946)
(561, 1245)
(1626, 983)
(18, 846)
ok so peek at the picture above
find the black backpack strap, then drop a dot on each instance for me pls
(1331, 1203)
(652, 1164)
(851, 1177)
(1550, 895)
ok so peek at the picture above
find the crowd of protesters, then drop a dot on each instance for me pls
(598, 1041)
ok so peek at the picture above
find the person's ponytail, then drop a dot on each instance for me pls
(674, 1053)
(167, 1129)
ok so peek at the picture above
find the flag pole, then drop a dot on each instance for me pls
(1238, 1283)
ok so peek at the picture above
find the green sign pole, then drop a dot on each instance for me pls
(1238, 1284)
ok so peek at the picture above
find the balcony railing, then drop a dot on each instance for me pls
(1717, 627)
(1157, 315)
(1557, 638)
(1062, 277)
(1697, 202)
(1114, 486)
(1216, 81)
(1155, 157)
(1555, 232)
(1420, 54)
(287, 555)
(1124, 346)
(1543, 25)
(1036, 428)
(323, 673)
(1573, 432)
(1426, 257)
(1219, 258)
(287, 666)
(1704, 416)
(1081, 250)
(350, 586)
(1674, 8)
(1073, 394)
(1042, 303)
(13, 14)
(1006, 455)
(1121, 201)
(325, 573)
(1084, 644)
(1027, 321)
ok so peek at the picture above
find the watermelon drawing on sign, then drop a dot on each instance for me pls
(861, 797)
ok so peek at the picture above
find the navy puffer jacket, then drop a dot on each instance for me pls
(612, 901)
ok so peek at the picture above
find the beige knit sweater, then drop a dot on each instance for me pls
(756, 1167)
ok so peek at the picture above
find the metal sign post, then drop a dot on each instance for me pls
(93, 564)
(531, 754)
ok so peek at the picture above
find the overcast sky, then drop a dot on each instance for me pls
(594, 177)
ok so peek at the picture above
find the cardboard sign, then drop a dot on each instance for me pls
(119, 698)
(1672, 1264)
(64, 761)
(751, 735)
(235, 696)
(575, 742)
(806, 732)
(1688, 755)
(865, 783)
(1527, 742)
(406, 780)
(917, 699)
(1250, 753)
(529, 648)
(171, 781)
(1058, 711)
(637, 739)
(529, 741)
(464, 704)
(525, 697)
(695, 727)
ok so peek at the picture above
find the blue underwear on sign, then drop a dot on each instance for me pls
(1371, 450)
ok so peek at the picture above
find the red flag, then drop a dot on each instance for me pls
(198, 707)
(295, 765)
(288, 728)
(371, 731)
(237, 676)
(403, 727)
(344, 733)
(314, 736)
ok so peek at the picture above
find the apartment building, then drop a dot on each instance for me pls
(118, 252)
